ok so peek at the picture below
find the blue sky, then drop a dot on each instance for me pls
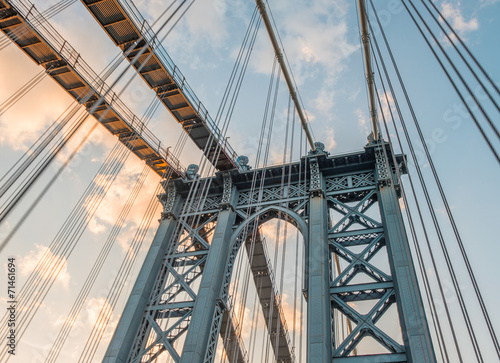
(322, 45)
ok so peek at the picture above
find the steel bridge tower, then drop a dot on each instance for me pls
(198, 240)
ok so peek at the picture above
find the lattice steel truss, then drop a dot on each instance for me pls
(180, 303)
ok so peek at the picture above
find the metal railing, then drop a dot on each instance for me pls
(277, 297)
(145, 30)
(66, 52)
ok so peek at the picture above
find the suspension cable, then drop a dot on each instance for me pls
(438, 230)
(429, 294)
(454, 84)
(21, 92)
(286, 74)
(37, 20)
(36, 148)
(485, 74)
(460, 242)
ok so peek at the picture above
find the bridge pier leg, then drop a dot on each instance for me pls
(125, 333)
(319, 324)
(416, 335)
(199, 332)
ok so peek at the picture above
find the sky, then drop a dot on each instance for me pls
(322, 45)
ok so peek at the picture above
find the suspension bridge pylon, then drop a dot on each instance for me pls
(182, 291)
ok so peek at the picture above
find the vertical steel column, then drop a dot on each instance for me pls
(126, 330)
(416, 335)
(200, 327)
(319, 324)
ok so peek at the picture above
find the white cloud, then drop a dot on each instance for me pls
(93, 308)
(453, 13)
(28, 264)
(271, 233)
(324, 102)
(329, 139)
(119, 192)
(312, 36)
(95, 227)
(485, 3)
(363, 124)
(402, 204)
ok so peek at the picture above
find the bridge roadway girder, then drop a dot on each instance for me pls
(131, 32)
(65, 65)
(268, 297)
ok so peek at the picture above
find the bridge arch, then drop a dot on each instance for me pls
(237, 238)
(272, 212)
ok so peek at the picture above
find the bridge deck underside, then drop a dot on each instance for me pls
(269, 300)
(132, 34)
(232, 341)
(64, 65)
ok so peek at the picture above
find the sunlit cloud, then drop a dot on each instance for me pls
(28, 265)
(290, 314)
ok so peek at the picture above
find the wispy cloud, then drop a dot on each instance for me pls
(118, 194)
(28, 264)
(485, 3)
(453, 13)
(363, 123)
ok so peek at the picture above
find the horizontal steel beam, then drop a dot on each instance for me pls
(360, 287)
(372, 358)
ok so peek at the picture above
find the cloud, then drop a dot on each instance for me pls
(453, 14)
(95, 227)
(196, 31)
(269, 232)
(290, 314)
(118, 194)
(363, 123)
(20, 126)
(312, 36)
(330, 142)
(324, 101)
(402, 204)
(92, 312)
(28, 264)
(94, 307)
(485, 3)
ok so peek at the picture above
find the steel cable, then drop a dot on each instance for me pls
(36, 148)
(438, 230)
(454, 84)
(427, 286)
(21, 92)
(38, 20)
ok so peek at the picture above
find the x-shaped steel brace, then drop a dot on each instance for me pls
(354, 214)
(366, 325)
(358, 262)
(162, 338)
(180, 280)
(194, 234)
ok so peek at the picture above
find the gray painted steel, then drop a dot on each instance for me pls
(197, 338)
(361, 189)
(412, 317)
(319, 325)
(125, 332)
